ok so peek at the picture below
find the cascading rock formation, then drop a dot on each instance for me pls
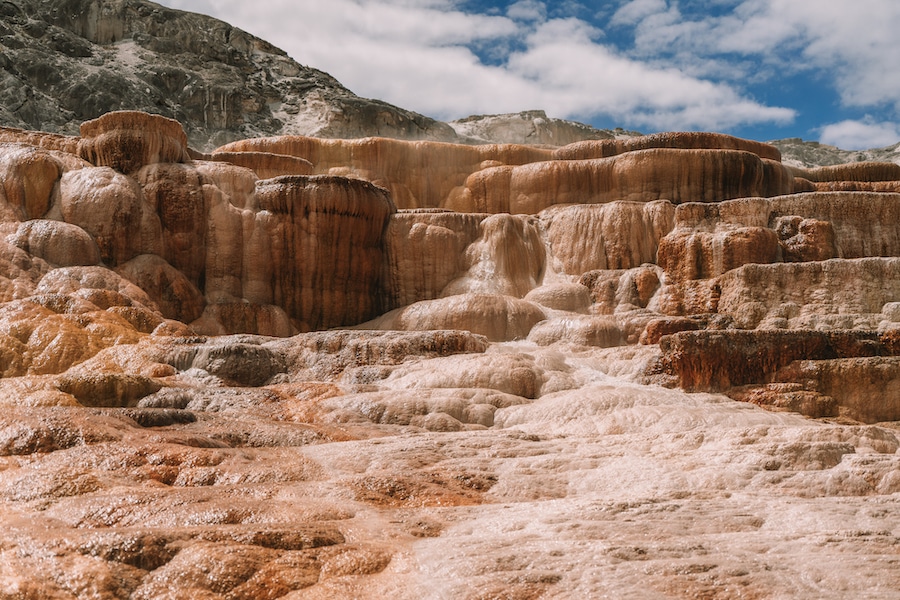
(307, 368)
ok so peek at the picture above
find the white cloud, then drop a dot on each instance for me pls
(861, 135)
(584, 78)
(419, 55)
(527, 10)
(635, 11)
(851, 44)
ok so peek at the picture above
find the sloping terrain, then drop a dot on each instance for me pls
(296, 367)
(63, 62)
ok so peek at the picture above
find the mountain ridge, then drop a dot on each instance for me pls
(63, 62)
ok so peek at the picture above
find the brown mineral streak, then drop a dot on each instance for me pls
(308, 368)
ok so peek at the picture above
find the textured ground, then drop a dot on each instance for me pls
(600, 487)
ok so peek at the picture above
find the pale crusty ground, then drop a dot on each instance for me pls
(599, 488)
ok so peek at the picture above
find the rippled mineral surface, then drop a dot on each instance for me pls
(665, 367)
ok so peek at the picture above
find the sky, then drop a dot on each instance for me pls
(823, 70)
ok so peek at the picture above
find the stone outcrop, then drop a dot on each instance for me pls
(248, 373)
(67, 62)
(528, 127)
(646, 224)
(685, 140)
(418, 175)
(818, 373)
(643, 175)
(129, 140)
(472, 416)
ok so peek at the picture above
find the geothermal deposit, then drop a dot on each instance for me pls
(657, 367)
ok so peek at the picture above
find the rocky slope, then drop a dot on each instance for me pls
(660, 366)
(297, 367)
(800, 153)
(63, 62)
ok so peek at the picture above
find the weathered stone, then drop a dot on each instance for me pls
(498, 318)
(129, 140)
(718, 360)
(60, 244)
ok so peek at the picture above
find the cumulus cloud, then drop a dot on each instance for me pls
(861, 135)
(424, 55)
(632, 13)
(850, 44)
(527, 10)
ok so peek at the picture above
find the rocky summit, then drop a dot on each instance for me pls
(67, 61)
(298, 367)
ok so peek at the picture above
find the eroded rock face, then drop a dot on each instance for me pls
(67, 62)
(129, 140)
(494, 414)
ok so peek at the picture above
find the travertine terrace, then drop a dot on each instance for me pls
(661, 367)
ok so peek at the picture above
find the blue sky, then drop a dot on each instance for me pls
(825, 70)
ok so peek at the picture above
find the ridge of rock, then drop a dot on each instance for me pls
(65, 62)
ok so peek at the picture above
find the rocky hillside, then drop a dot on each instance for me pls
(661, 366)
(63, 62)
(799, 153)
(67, 61)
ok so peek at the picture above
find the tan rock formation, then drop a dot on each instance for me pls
(618, 235)
(108, 205)
(264, 164)
(60, 244)
(862, 221)
(175, 197)
(417, 174)
(717, 360)
(325, 234)
(622, 290)
(600, 331)
(856, 186)
(498, 318)
(168, 288)
(424, 251)
(147, 411)
(129, 140)
(813, 294)
(569, 297)
(507, 259)
(856, 368)
(40, 139)
(28, 176)
(639, 176)
(866, 386)
(855, 172)
(686, 140)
